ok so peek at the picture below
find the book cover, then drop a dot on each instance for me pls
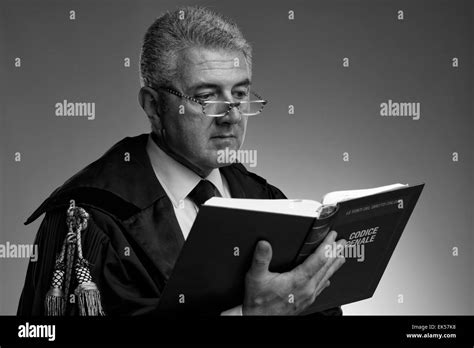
(208, 277)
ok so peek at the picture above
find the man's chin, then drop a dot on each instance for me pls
(222, 156)
(226, 156)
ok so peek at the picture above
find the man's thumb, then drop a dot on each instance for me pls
(261, 258)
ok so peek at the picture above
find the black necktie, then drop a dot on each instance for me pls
(202, 192)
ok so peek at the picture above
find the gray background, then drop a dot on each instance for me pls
(295, 62)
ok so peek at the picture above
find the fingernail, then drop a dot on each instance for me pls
(262, 247)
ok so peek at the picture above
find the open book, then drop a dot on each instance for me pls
(208, 277)
(302, 207)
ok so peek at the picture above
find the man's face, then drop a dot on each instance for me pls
(207, 74)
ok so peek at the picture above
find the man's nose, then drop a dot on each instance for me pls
(233, 116)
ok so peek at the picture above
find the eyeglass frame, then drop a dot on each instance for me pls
(203, 103)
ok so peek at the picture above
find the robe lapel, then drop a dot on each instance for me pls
(235, 186)
(157, 233)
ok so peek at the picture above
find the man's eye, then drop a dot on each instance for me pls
(241, 94)
(205, 96)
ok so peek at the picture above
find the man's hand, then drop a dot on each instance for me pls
(268, 293)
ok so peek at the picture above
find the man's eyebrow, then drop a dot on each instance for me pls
(202, 85)
(245, 82)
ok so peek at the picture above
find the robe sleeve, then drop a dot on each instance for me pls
(124, 284)
(275, 193)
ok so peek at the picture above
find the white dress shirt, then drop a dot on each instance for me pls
(178, 181)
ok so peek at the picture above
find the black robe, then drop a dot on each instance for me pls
(129, 211)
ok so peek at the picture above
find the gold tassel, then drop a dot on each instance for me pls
(87, 293)
(55, 303)
(89, 302)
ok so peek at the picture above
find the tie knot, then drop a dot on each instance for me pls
(202, 192)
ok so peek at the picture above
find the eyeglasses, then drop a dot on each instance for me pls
(220, 108)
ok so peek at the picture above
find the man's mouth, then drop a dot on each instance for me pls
(224, 136)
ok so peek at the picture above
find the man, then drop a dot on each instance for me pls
(133, 208)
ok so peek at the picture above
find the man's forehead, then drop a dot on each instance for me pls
(197, 59)
(216, 64)
(202, 57)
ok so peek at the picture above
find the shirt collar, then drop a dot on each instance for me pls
(177, 180)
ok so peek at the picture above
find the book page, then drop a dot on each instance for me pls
(340, 196)
(300, 207)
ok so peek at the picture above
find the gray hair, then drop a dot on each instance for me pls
(186, 27)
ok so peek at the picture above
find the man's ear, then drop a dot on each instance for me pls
(148, 99)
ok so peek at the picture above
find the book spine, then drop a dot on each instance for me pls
(317, 233)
